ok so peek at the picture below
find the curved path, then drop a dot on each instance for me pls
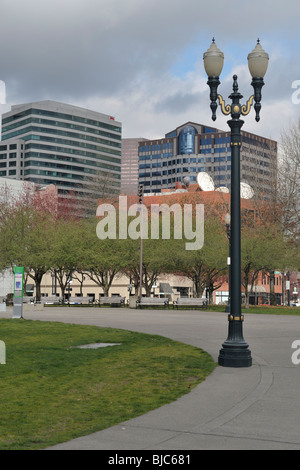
(252, 408)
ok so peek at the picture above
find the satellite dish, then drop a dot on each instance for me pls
(205, 182)
(246, 191)
(222, 189)
(186, 181)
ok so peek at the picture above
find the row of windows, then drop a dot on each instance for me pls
(3, 156)
(72, 143)
(72, 151)
(4, 164)
(68, 117)
(34, 163)
(172, 171)
(60, 183)
(155, 156)
(217, 141)
(10, 173)
(64, 158)
(227, 140)
(255, 142)
(10, 147)
(144, 166)
(166, 181)
(57, 174)
(156, 147)
(222, 168)
(60, 124)
(178, 161)
(45, 130)
(53, 173)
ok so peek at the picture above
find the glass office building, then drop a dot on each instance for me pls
(54, 143)
(193, 148)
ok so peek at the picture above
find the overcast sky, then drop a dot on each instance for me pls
(142, 60)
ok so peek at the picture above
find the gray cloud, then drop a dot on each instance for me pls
(117, 55)
(177, 103)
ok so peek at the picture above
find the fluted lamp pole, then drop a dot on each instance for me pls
(235, 351)
(227, 219)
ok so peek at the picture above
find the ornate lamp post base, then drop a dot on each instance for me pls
(235, 351)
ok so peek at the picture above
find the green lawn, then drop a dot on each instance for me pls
(265, 309)
(51, 392)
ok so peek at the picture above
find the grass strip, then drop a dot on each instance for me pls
(259, 309)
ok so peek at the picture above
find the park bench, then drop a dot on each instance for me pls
(51, 300)
(115, 300)
(190, 302)
(28, 300)
(79, 300)
(152, 302)
(2, 304)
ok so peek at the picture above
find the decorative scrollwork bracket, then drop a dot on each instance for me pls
(226, 109)
(245, 109)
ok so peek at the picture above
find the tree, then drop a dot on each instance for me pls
(204, 267)
(253, 261)
(37, 256)
(264, 249)
(25, 234)
(277, 254)
(98, 187)
(101, 260)
(159, 256)
(288, 193)
(66, 247)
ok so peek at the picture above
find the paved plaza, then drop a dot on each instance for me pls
(256, 408)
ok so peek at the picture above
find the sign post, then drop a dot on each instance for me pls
(18, 292)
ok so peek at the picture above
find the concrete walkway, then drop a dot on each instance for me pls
(249, 409)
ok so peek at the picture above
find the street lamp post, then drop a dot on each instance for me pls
(227, 223)
(235, 351)
(140, 196)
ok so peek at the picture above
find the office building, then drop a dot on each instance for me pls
(54, 143)
(193, 148)
(130, 165)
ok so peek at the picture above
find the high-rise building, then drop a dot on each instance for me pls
(54, 143)
(193, 148)
(130, 165)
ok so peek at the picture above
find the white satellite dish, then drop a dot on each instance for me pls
(222, 189)
(205, 182)
(246, 191)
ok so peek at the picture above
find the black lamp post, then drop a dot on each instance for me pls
(235, 351)
(140, 196)
(227, 223)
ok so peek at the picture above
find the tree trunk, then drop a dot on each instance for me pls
(37, 277)
(38, 291)
(272, 288)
